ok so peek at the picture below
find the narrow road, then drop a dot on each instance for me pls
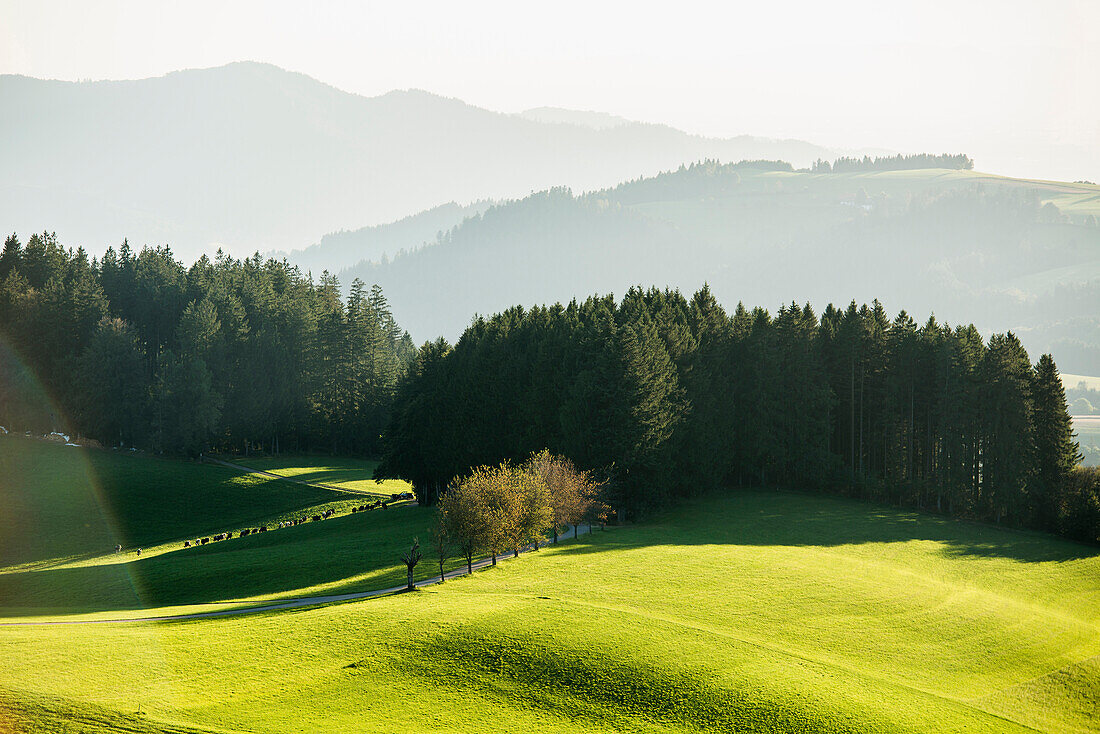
(316, 485)
(308, 601)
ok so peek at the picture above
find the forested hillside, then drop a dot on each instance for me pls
(666, 397)
(135, 349)
(1005, 254)
(338, 250)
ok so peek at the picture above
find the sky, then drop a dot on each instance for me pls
(1012, 82)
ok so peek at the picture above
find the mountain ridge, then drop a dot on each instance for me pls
(250, 156)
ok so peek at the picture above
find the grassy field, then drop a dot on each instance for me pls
(355, 474)
(1071, 198)
(817, 193)
(1071, 381)
(1087, 430)
(84, 499)
(752, 611)
(64, 501)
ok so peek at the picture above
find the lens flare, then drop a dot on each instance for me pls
(55, 518)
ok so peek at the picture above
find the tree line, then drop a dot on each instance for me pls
(898, 162)
(134, 349)
(663, 396)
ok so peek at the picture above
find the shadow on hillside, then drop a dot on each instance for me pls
(329, 478)
(268, 565)
(790, 519)
(332, 553)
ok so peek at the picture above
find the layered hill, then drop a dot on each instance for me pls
(338, 250)
(969, 247)
(257, 158)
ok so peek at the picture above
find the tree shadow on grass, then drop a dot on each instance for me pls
(335, 554)
(279, 562)
(771, 518)
(320, 476)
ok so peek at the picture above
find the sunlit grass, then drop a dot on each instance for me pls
(345, 473)
(73, 503)
(63, 502)
(755, 611)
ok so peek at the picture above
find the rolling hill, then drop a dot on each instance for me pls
(62, 502)
(337, 250)
(750, 611)
(253, 157)
(66, 508)
(969, 247)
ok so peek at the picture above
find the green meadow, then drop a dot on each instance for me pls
(814, 195)
(740, 611)
(65, 501)
(81, 500)
(1087, 434)
(1072, 381)
(342, 473)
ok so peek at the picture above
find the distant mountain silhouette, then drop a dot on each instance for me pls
(593, 120)
(257, 158)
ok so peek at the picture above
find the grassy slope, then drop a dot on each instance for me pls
(342, 555)
(814, 197)
(1070, 198)
(159, 502)
(61, 501)
(820, 191)
(1087, 434)
(1071, 381)
(334, 472)
(758, 611)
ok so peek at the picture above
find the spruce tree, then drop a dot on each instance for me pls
(1056, 453)
(11, 256)
(111, 385)
(1008, 449)
(656, 407)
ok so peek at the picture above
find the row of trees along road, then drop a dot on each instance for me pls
(668, 396)
(506, 507)
(231, 354)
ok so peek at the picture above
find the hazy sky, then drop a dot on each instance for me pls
(1011, 81)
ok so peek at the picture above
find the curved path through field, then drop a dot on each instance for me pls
(308, 601)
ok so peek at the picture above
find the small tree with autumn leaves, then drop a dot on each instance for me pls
(518, 505)
(465, 519)
(506, 507)
(572, 492)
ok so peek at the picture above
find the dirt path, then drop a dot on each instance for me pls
(316, 485)
(308, 601)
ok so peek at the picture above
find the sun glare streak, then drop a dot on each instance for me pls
(28, 412)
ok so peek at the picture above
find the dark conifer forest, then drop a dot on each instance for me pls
(665, 397)
(136, 350)
(660, 396)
